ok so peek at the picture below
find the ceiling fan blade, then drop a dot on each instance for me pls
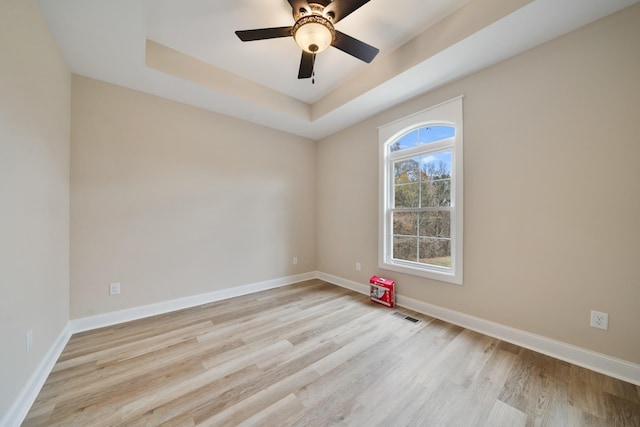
(263, 33)
(342, 8)
(296, 5)
(306, 65)
(354, 47)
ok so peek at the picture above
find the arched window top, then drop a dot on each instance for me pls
(421, 136)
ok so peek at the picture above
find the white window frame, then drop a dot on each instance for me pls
(448, 113)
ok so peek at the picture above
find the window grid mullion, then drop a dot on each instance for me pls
(418, 213)
(427, 209)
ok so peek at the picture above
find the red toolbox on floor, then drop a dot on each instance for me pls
(383, 291)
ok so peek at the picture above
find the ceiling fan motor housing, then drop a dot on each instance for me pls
(315, 8)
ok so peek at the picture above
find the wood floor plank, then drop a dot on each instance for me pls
(267, 378)
(503, 415)
(186, 401)
(316, 354)
(403, 380)
(475, 405)
(265, 401)
(276, 414)
(331, 398)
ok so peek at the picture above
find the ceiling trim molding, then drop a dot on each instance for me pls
(170, 61)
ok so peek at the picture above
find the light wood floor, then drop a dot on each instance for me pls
(313, 354)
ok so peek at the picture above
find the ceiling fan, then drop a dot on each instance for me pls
(314, 31)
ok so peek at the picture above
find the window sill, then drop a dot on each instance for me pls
(443, 276)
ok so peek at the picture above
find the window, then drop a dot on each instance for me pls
(421, 193)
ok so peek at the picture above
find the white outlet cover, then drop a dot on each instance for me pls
(114, 288)
(599, 320)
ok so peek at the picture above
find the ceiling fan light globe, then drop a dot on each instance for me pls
(313, 35)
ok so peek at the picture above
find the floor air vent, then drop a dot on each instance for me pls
(405, 317)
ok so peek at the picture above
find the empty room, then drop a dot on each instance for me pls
(306, 213)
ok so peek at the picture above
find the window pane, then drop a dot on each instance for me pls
(405, 223)
(405, 248)
(436, 193)
(436, 177)
(407, 183)
(406, 141)
(405, 171)
(435, 133)
(421, 136)
(437, 165)
(407, 196)
(435, 251)
(435, 224)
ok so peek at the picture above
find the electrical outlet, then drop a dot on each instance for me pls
(358, 266)
(29, 340)
(295, 260)
(599, 320)
(114, 288)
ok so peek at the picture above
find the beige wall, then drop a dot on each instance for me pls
(552, 191)
(34, 193)
(173, 201)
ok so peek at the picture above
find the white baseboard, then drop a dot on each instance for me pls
(22, 404)
(120, 316)
(611, 366)
(345, 283)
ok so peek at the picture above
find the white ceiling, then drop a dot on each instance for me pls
(423, 44)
